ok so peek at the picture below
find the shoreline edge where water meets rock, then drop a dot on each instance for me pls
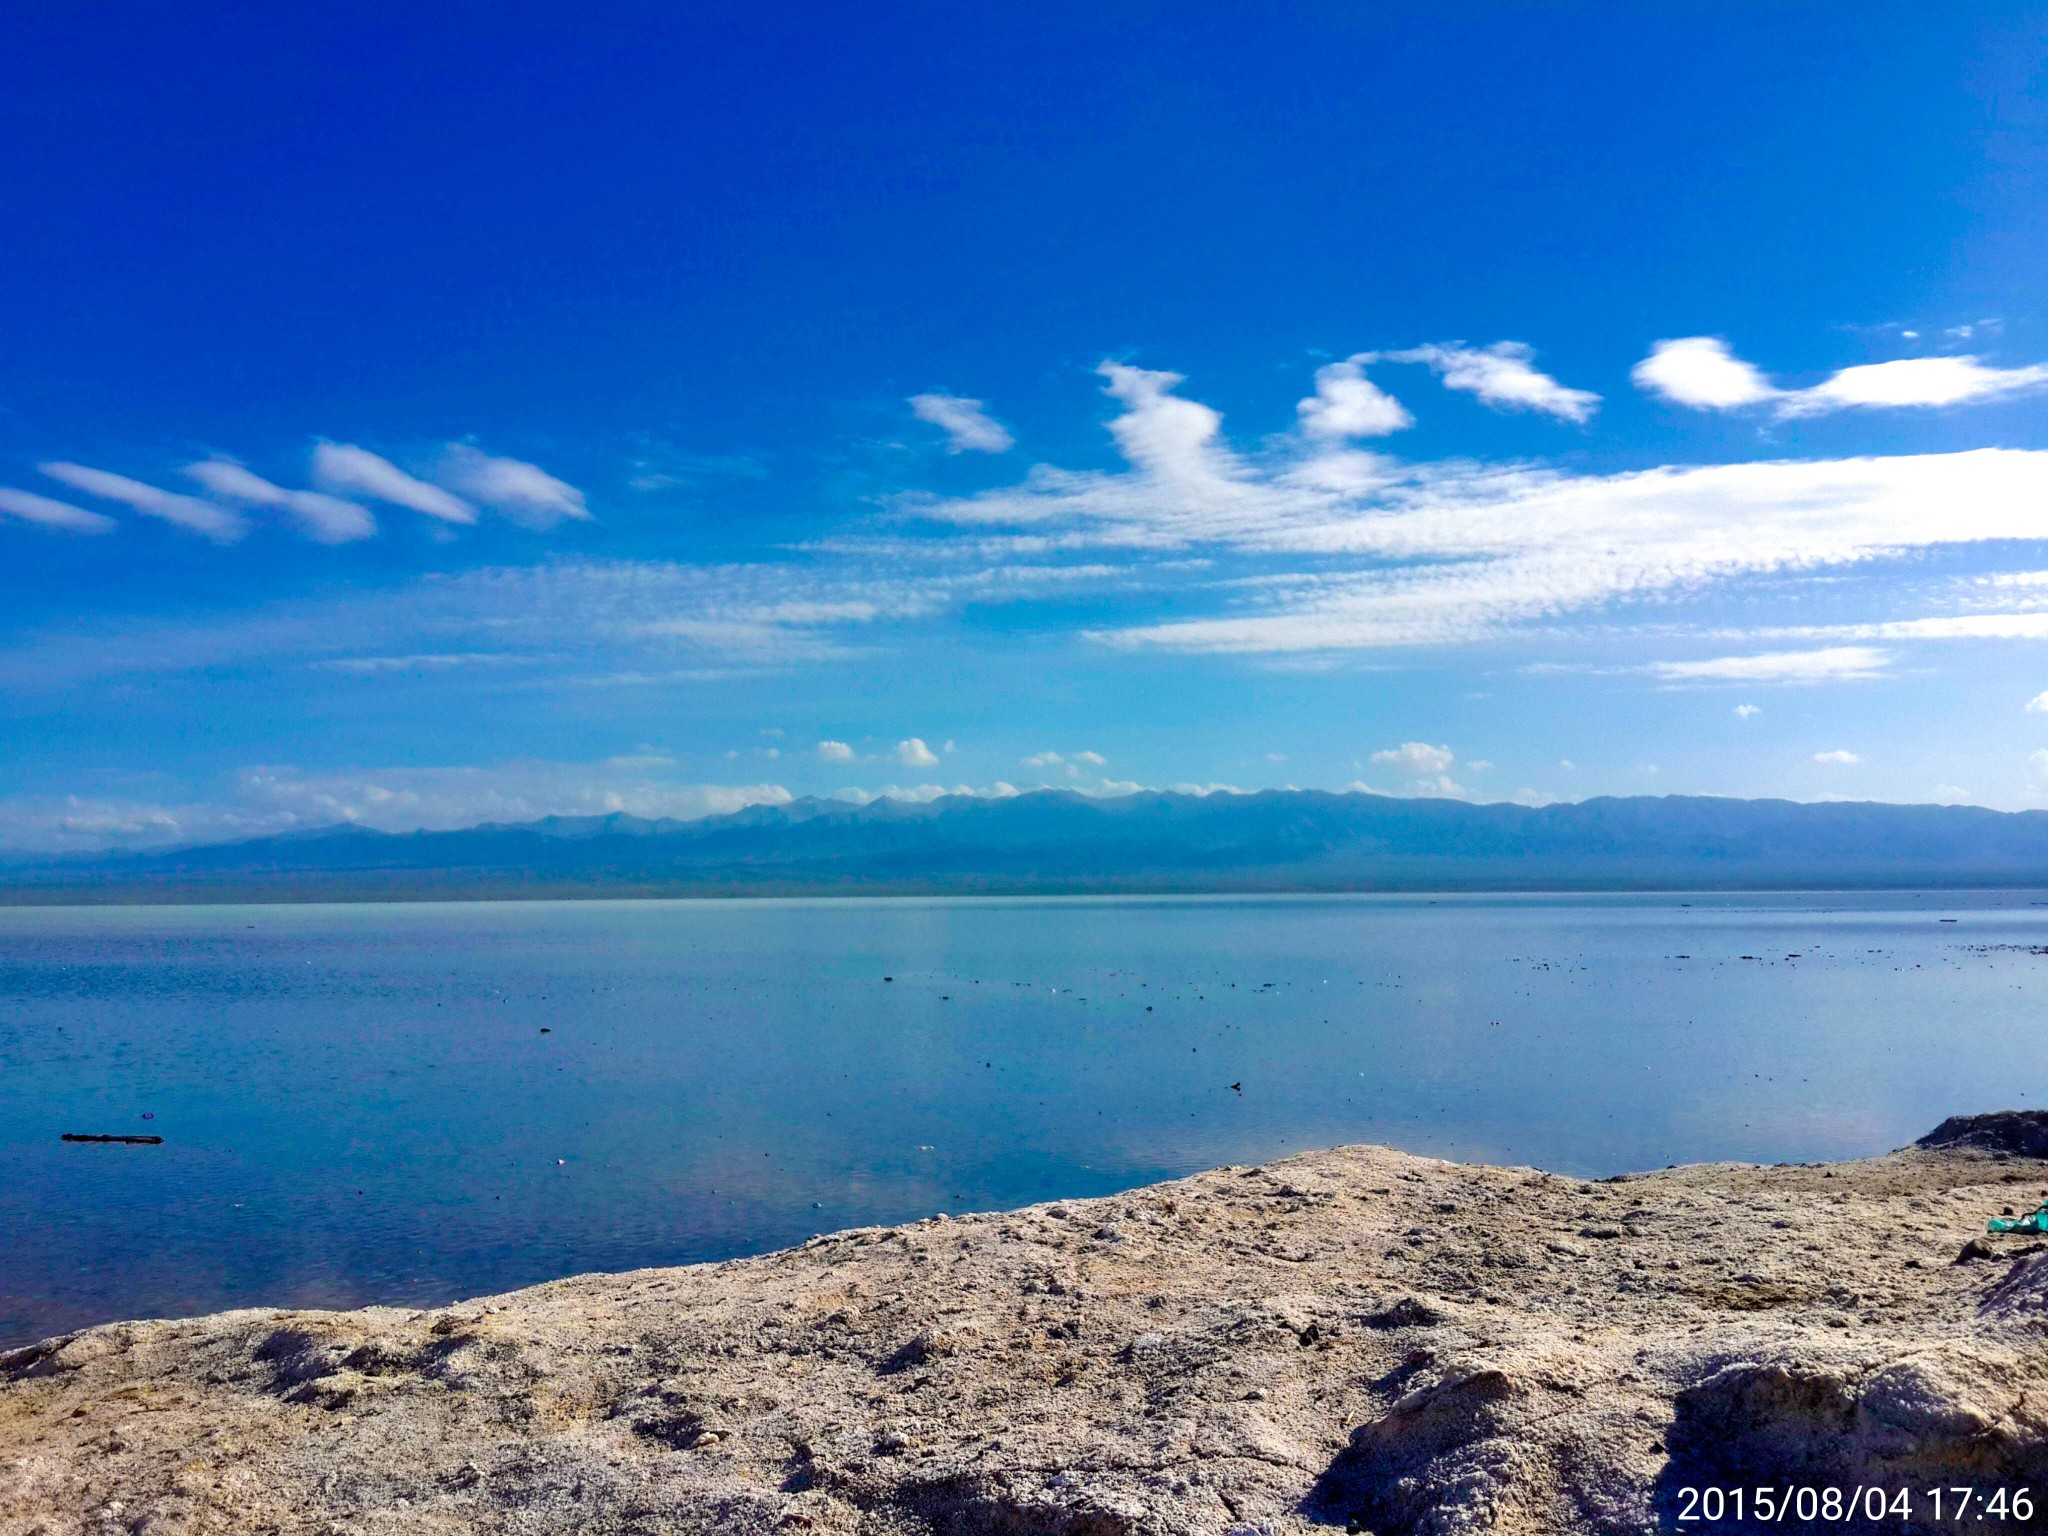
(1356, 1338)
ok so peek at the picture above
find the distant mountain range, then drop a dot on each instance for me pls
(1053, 841)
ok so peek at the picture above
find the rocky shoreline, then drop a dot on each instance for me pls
(1355, 1338)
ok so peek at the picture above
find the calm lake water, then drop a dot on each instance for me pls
(411, 1103)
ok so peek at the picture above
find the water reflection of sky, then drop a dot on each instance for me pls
(409, 1103)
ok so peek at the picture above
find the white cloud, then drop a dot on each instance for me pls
(524, 492)
(1429, 767)
(1003, 790)
(913, 753)
(2038, 704)
(48, 513)
(1950, 794)
(1837, 757)
(968, 428)
(187, 512)
(327, 519)
(1833, 663)
(1417, 757)
(1405, 555)
(47, 824)
(267, 800)
(1501, 376)
(1348, 404)
(2040, 761)
(346, 469)
(1701, 372)
(1746, 711)
(1912, 381)
(915, 794)
(405, 799)
(1072, 762)
(834, 752)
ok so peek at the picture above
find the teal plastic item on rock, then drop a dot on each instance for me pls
(2033, 1221)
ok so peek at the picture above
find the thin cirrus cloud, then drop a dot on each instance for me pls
(346, 470)
(206, 518)
(47, 512)
(581, 624)
(1362, 551)
(323, 518)
(1702, 373)
(968, 428)
(1833, 663)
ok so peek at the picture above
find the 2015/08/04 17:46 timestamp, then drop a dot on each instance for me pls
(1819, 1505)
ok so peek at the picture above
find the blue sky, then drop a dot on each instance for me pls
(518, 409)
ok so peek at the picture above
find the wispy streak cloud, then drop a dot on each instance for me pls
(326, 519)
(524, 492)
(968, 428)
(1831, 664)
(187, 512)
(347, 470)
(46, 512)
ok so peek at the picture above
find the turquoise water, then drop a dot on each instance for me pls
(410, 1103)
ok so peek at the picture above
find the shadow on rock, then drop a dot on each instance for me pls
(972, 1506)
(1441, 1459)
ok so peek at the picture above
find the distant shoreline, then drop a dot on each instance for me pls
(311, 895)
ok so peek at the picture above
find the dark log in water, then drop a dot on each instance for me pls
(126, 1141)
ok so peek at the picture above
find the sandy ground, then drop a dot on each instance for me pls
(1350, 1338)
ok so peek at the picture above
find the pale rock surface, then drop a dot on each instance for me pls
(1356, 1336)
